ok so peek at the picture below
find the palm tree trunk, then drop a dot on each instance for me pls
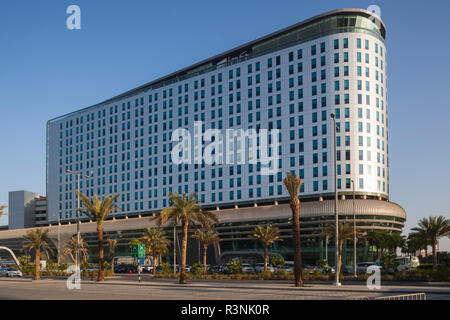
(434, 254)
(338, 265)
(37, 261)
(183, 253)
(101, 276)
(112, 262)
(265, 258)
(295, 207)
(205, 247)
(154, 263)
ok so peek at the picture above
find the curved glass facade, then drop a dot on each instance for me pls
(235, 239)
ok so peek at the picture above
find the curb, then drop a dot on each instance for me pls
(290, 288)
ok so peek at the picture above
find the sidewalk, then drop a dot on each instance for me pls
(390, 288)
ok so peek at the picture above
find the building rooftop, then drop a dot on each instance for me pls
(277, 40)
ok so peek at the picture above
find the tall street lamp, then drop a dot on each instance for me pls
(354, 231)
(59, 241)
(78, 175)
(337, 283)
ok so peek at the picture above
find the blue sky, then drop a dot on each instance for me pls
(47, 70)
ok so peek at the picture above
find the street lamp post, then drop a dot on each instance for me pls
(354, 231)
(77, 252)
(59, 241)
(337, 283)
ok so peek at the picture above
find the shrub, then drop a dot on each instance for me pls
(197, 268)
(63, 266)
(85, 265)
(165, 268)
(235, 267)
(106, 266)
(277, 262)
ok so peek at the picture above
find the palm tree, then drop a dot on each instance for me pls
(345, 233)
(162, 248)
(373, 236)
(37, 239)
(98, 211)
(112, 244)
(156, 242)
(412, 245)
(293, 185)
(71, 248)
(432, 229)
(185, 210)
(395, 240)
(206, 238)
(423, 240)
(1, 210)
(417, 241)
(266, 236)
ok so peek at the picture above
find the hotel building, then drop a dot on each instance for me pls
(291, 80)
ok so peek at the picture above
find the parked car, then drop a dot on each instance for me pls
(308, 268)
(217, 268)
(326, 269)
(247, 268)
(347, 269)
(407, 263)
(188, 268)
(361, 267)
(10, 272)
(121, 268)
(260, 267)
(288, 268)
(147, 268)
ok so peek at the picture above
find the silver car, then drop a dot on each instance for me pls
(260, 267)
(247, 268)
(361, 267)
(10, 272)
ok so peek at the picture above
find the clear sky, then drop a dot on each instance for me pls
(47, 70)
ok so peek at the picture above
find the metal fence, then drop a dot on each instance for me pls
(412, 296)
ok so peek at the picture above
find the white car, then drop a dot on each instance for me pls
(407, 263)
(247, 268)
(260, 267)
(10, 272)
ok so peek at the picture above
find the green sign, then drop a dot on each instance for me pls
(138, 251)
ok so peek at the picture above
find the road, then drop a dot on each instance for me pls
(130, 289)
